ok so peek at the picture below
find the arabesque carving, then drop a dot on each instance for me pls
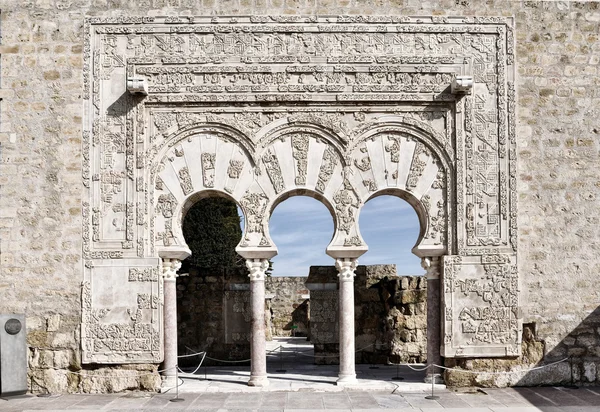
(257, 108)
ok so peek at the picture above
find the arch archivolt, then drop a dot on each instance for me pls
(388, 157)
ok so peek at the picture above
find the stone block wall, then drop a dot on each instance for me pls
(289, 305)
(390, 315)
(213, 315)
(558, 181)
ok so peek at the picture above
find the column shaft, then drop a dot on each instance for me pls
(169, 274)
(170, 327)
(258, 345)
(346, 269)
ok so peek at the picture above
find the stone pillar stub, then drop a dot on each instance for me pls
(169, 277)
(258, 345)
(346, 268)
(432, 267)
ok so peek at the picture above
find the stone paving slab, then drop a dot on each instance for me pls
(490, 400)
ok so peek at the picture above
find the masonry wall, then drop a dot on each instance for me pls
(390, 313)
(213, 315)
(558, 179)
(289, 305)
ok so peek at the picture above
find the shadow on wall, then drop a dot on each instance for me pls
(575, 360)
(299, 325)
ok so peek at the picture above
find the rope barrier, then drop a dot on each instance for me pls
(229, 361)
(205, 356)
(332, 356)
(195, 370)
(500, 373)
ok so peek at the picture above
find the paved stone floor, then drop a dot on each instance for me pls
(494, 400)
(307, 387)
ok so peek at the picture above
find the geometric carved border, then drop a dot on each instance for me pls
(480, 307)
(306, 98)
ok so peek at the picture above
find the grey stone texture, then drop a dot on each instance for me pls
(288, 306)
(213, 311)
(558, 181)
(390, 315)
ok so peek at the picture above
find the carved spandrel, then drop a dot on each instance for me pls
(346, 203)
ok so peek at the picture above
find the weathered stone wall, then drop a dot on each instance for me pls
(289, 305)
(213, 315)
(557, 51)
(390, 315)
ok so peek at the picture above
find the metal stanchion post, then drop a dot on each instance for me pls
(177, 398)
(432, 396)
(373, 366)
(281, 361)
(398, 377)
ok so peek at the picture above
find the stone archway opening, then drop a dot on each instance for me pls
(301, 225)
(390, 289)
(213, 285)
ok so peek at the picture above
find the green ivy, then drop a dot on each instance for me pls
(212, 231)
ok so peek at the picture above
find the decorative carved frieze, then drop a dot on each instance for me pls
(228, 107)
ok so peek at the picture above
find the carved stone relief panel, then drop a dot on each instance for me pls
(480, 306)
(121, 311)
(260, 107)
(324, 316)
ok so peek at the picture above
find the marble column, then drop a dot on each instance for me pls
(346, 268)
(169, 276)
(258, 344)
(432, 267)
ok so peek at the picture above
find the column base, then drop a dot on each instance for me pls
(258, 381)
(346, 380)
(168, 383)
(437, 378)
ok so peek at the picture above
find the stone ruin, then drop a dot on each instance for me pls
(390, 314)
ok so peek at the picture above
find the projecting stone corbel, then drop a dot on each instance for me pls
(137, 86)
(462, 85)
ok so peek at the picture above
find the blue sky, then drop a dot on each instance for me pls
(302, 227)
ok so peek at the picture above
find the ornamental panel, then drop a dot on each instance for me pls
(258, 108)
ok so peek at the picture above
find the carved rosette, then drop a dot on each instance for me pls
(257, 268)
(170, 268)
(346, 268)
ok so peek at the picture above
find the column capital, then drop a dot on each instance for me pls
(170, 268)
(432, 267)
(346, 268)
(257, 268)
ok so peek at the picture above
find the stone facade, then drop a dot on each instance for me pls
(57, 232)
